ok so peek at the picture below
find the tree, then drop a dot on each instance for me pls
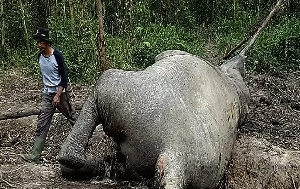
(3, 50)
(2, 29)
(71, 11)
(164, 11)
(131, 21)
(81, 2)
(40, 11)
(101, 48)
(24, 26)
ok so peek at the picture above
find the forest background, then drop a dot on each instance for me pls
(134, 32)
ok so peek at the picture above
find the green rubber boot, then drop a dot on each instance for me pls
(36, 151)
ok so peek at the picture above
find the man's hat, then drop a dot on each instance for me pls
(42, 34)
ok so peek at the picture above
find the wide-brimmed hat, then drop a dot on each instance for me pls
(42, 34)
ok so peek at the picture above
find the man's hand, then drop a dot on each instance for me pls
(56, 99)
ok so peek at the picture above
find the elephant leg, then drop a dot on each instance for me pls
(72, 153)
(169, 172)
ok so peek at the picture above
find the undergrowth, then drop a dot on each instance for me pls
(277, 49)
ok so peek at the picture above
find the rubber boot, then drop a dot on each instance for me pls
(36, 151)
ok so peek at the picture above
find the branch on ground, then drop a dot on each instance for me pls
(28, 111)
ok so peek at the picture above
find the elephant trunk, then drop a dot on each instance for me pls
(72, 153)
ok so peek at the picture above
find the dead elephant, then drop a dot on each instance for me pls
(177, 118)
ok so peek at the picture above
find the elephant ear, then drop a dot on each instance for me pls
(235, 70)
(234, 67)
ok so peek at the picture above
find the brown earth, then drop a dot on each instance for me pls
(274, 116)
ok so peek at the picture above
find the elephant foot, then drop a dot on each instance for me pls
(73, 159)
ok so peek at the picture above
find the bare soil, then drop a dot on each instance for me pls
(274, 109)
(18, 91)
(274, 115)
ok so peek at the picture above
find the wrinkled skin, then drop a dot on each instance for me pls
(176, 119)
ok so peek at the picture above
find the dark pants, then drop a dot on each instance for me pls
(47, 111)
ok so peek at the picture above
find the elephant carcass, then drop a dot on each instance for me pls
(177, 118)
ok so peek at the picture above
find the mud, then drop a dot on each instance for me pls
(274, 117)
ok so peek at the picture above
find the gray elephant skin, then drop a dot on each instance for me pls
(176, 119)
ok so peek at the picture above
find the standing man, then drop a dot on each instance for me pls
(55, 80)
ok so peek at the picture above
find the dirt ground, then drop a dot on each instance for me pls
(274, 116)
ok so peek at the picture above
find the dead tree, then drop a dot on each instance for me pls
(131, 20)
(24, 26)
(3, 47)
(253, 34)
(101, 45)
(28, 111)
(71, 11)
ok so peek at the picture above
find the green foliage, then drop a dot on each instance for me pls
(232, 31)
(117, 17)
(28, 63)
(13, 26)
(158, 25)
(142, 14)
(150, 41)
(278, 49)
(155, 39)
(118, 51)
(78, 43)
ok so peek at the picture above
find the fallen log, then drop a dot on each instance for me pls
(28, 111)
(19, 113)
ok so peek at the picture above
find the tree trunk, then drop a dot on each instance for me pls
(101, 48)
(82, 8)
(234, 9)
(131, 21)
(71, 11)
(19, 113)
(2, 30)
(29, 111)
(24, 26)
(65, 15)
(164, 11)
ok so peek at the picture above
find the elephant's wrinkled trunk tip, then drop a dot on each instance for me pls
(71, 160)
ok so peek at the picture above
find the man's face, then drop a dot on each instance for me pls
(42, 45)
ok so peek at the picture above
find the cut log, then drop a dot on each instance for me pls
(19, 113)
(28, 111)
